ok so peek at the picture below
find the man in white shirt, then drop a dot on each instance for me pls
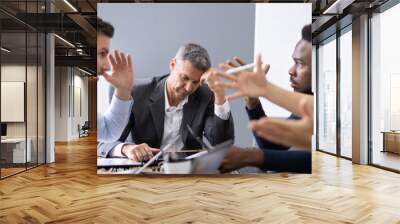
(166, 105)
(111, 124)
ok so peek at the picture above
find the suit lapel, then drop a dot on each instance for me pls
(157, 107)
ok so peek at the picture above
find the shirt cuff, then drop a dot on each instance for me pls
(222, 111)
(120, 107)
(117, 151)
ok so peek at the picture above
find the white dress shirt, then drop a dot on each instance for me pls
(112, 123)
(172, 123)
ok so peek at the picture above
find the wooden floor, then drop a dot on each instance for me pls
(387, 159)
(69, 191)
(10, 171)
(5, 172)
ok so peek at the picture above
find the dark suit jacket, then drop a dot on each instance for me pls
(278, 157)
(146, 123)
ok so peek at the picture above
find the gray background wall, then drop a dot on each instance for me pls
(152, 33)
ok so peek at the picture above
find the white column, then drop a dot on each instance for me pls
(50, 94)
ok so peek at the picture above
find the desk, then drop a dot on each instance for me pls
(104, 167)
(128, 170)
(391, 141)
(13, 150)
(124, 166)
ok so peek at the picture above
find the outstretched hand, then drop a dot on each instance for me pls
(250, 84)
(121, 76)
(251, 102)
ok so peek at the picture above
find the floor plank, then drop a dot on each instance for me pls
(69, 191)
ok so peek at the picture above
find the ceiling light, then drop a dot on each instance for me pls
(70, 5)
(79, 51)
(338, 6)
(86, 72)
(5, 50)
(65, 41)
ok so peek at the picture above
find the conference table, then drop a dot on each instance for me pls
(124, 166)
(200, 164)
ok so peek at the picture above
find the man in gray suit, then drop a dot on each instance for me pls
(165, 106)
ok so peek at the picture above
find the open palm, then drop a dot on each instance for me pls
(251, 84)
(121, 76)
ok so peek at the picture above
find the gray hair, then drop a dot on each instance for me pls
(196, 54)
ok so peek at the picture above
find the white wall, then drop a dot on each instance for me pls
(61, 103)
(68, 82)
(80, 83)
(277, 30)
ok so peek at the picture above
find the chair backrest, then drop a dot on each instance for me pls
(86, 125)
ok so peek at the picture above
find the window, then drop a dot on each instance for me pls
(385, 89)
(22, 88)
(346, 92)
(327, 95)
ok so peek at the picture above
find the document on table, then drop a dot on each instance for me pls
(110, 162)
(209, 162)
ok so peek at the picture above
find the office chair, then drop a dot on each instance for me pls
(84, 130)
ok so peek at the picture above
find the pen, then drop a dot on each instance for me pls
(148, 163)
(156, 156)
(240, 68)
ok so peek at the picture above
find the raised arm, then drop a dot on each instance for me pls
(254, 84)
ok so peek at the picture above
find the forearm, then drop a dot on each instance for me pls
(114, 149)
(114, 120)
(254, 158)
(123, 94)
(219, 99)
(265, 144)
(284, 98)
(117, 151)
(105, 149)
